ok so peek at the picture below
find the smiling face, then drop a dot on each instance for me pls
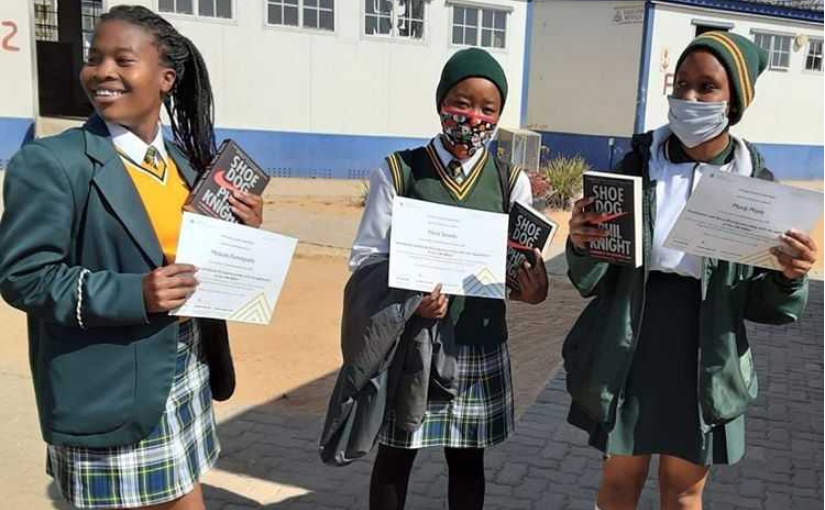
(125, 77)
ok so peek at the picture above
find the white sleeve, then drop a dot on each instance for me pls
(521, 190)
(373, 237)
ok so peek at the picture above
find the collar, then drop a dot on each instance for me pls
(132, 146)
(740, 164)
(446, 156)
(675, 153)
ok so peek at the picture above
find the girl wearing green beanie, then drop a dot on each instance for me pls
(454, 168)
(659, 362)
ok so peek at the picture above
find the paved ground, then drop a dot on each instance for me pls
(546, 465)
(270, 459)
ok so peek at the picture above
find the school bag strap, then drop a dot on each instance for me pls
(508, 174)
(400, 176)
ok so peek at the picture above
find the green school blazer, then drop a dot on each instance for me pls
(75, 243)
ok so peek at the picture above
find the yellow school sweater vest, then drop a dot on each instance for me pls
(163, 193)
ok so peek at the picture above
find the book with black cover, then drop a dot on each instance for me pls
(528, 229)
(620, 198)
(231, 169)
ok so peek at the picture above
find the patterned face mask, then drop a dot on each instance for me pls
(465, 132)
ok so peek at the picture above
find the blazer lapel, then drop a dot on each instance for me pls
(114, 183)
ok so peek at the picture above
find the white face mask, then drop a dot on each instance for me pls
(695, 122)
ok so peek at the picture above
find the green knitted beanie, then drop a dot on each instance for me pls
(743, 60)
(470, 63)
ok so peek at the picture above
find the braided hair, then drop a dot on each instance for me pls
(189, 104)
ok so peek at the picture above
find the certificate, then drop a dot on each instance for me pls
(738, 218)
(464, 250)
(241, 269)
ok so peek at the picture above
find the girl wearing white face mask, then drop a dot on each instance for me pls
(656, 366)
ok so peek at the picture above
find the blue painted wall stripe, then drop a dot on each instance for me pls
(787, 162)
(525, 78)
(289, 154)
(14, 132)
(644, 67)
(354, 157)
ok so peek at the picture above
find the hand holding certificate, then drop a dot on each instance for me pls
(241, 269)
(743, 220)
(464, 250)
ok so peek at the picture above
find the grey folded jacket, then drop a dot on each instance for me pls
(392, 359)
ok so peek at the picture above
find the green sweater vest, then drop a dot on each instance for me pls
(419, 174)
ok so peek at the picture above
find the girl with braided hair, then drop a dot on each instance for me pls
(87, 250)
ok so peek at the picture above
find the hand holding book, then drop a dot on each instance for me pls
(230, 188)
(608, 223)
(532, 280)
(248, 207)
(583, 224)
(528, 233)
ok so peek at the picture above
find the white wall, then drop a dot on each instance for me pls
(788, 107)
(17, 91)
(584, 66)
(276, 78)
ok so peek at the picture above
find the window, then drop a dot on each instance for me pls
(206, 8)
(778, 48)
(479, 27)
(91, 10)
(493, 28)
(701, 29)
(396, 18)
(45, 20)
(813, 62)
(318, 14)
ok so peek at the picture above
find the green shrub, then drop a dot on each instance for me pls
(564, 174)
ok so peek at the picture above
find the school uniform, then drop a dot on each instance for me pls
(481, 414)
(659, 361)
(123, 395)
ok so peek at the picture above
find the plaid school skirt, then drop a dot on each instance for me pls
(480, 415)
(162, 467)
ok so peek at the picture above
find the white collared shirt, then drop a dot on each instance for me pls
(674, 184)
(373, 238)
(132, 146)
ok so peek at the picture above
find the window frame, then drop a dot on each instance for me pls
(821, 55)
(196, 15)
(300, 26)
(393, 35)
(774, 36)
(480, 8)
(699, 23)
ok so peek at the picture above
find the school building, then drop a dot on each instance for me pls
(601, 71)
(319, 88)
(326, 88)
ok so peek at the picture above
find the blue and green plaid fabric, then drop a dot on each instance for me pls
(481, 415)
(163, 466)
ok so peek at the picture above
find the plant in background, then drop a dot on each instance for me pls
(540, 187)
(564, 175)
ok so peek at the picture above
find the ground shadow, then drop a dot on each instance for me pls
(278, 441)
(273, 447)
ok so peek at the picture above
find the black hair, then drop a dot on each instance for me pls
(190, 102)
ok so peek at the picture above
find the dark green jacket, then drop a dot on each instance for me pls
(71, 211)
(599, 349)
